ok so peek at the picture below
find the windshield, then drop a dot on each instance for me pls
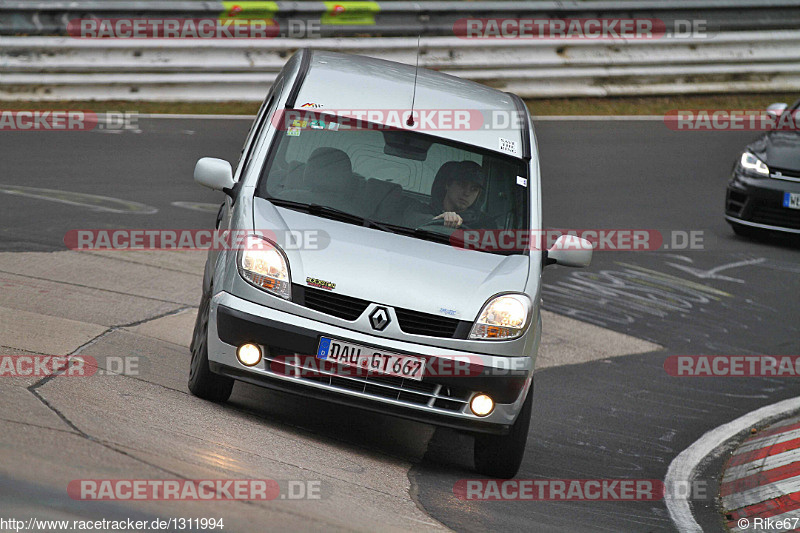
(394, 180)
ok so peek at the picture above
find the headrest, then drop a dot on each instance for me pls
(328, 170)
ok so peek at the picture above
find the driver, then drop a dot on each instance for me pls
(454, 194)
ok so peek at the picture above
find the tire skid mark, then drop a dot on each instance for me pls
(91, 201)
(632, 297)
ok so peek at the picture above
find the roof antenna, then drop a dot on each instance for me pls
(410, 121)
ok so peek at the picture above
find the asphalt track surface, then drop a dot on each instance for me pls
(608, 419)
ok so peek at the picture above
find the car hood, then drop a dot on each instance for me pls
(392, 269)
(780, 149)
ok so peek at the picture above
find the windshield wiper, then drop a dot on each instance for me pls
(332, 213)
(431, 235)
(344, 216)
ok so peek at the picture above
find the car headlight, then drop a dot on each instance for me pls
(753, 164)
(503, 317)
(264, 265)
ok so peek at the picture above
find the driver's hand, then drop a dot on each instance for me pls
(451, 220)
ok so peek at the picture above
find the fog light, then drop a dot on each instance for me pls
(249, 354)
(481, 405)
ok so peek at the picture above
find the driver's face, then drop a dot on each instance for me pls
(461, 194)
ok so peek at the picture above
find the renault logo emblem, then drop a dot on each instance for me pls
(379, 318)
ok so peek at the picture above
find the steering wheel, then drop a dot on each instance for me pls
(440, 222)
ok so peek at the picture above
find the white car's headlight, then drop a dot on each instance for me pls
(264, 265)
(752, 163)
(503, 317)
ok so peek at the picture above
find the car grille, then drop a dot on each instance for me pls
(785, 173)
(418, 323)
(776, 216)
(349, 308)
(331, 303)
(419, 393)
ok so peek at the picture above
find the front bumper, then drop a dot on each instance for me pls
(438, 399)
(758, 202)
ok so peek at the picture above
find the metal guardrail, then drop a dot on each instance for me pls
(397, 18)
(750, 46)
(54, 68)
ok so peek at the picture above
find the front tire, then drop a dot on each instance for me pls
(500, 456)
(202, 382)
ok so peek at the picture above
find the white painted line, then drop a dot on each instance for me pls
(788, 422)
(93, 202)
(761, 493)
(766, 442)
(684, 467)
(761, 465)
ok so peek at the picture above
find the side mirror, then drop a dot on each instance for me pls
(571, 251)
(215, 174)
(776, 109)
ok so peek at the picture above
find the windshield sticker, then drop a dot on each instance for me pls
(320, 283)
(522, 181)
(293, 132)
(317, 124)
(508, 146)
(333, 126)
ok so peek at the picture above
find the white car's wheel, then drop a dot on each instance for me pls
(500, 456)
(202, 382)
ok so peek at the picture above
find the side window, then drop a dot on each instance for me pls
(256, 128)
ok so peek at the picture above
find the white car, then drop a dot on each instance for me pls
(387, 313)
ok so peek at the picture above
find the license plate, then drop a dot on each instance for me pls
(378, 361)
(791, 200)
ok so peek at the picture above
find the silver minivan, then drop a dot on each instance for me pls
(368, 191)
